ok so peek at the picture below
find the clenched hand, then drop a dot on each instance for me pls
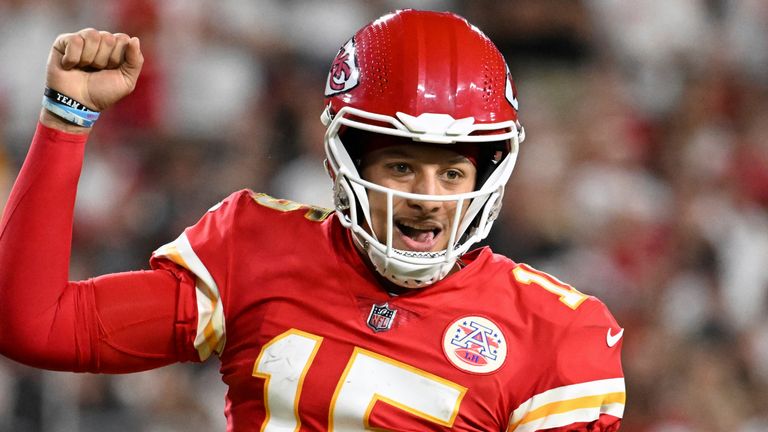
(94, 67)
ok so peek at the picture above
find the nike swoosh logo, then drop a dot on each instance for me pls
(613, 339)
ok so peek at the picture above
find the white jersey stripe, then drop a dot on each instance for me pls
(211, 333)
(591, 388)
(582, 402)
(570, 417)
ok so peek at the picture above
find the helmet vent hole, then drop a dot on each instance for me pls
(376, 52)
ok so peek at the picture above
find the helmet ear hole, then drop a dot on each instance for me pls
(354, 141)
(489, 159)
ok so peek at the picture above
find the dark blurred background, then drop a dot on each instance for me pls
(644, 178)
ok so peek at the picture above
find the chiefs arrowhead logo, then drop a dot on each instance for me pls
(344, 74)
(510, 92)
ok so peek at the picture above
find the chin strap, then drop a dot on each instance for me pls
(409, 275)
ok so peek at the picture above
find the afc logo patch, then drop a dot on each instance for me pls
(381, 317)
(344, 74)
(475, 344)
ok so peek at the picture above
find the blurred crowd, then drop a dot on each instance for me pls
(643, 180)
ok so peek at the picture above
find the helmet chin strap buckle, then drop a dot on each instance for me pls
(340, 200)
(436, 128)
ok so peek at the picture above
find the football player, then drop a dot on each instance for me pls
(378, 315)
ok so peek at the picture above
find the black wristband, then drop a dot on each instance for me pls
(65, 100)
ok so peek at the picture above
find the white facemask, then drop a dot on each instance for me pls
(475, 211)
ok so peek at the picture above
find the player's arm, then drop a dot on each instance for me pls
(583, 388)
(114, 323)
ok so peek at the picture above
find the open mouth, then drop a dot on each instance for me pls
(418, 237)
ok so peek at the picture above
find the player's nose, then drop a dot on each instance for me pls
(426, 184)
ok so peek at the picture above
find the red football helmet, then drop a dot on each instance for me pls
(431, 77)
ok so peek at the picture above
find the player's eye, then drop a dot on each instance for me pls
(453, 174)
(399, 167)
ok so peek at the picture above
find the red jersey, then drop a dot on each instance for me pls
(309, 340)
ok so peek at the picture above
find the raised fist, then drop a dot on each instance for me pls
(94, 67)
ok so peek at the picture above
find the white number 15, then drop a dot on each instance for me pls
(368, 378)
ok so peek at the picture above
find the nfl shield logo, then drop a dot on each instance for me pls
(381, 317)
